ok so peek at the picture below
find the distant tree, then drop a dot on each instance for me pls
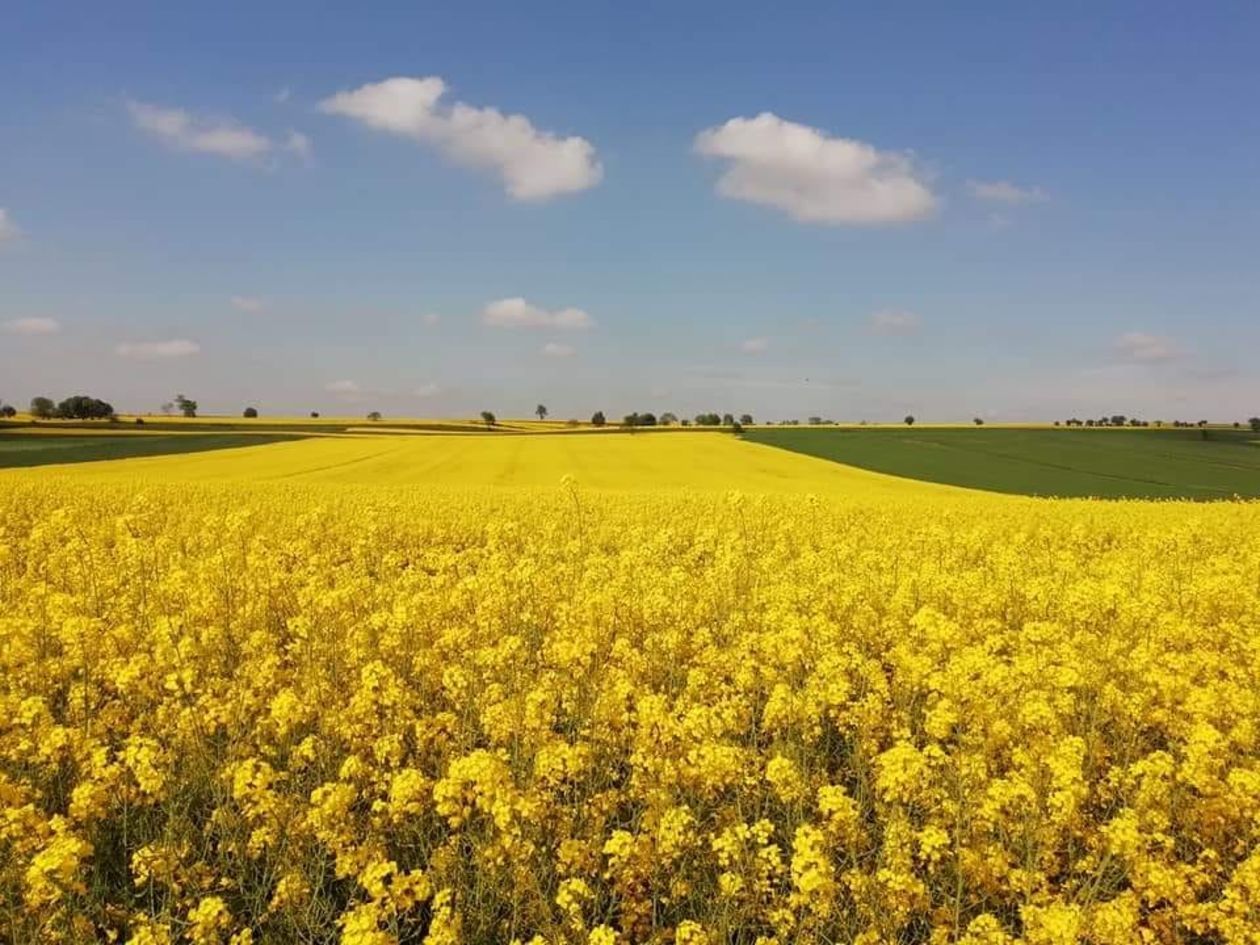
(83, 407)
(374, 415)
(487, 418)
(168, 408)
(630, 420)
(1202, 423)
(541, 411)
(814, 421)
(1089, 423)
(685, 422)
(708, 420)
(1118, 419)
(909, 420)
(139, 421)
(314, 414)
(647, 419)
(43, 408)
(668, 418)
(598, 419)
(727, 419)
(1254, 423)
(979, 421)
(250, 413)
(187, 406)
(1237, 425)
(737, 427)
(8, 410)
(1056, 423)
(746, 419)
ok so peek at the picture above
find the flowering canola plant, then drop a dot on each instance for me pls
(235, 713)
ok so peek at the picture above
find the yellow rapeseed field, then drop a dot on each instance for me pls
(618, 710)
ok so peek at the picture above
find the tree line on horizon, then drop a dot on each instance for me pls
(84, 407)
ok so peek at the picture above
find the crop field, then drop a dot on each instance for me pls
(675, 689)
(705, 461)
(1053, 462)
(25, 449)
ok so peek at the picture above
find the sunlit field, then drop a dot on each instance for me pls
(683, 460)
(617, 689)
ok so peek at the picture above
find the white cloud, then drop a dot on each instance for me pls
(430, 318)
(342, 387)
(157, 350)
(1003, 191)
(553, 349)
(533, 164)
(32, 326)
(297, 143)
(1144, 347)
(248, 303)
(754, 345)
(427, 390)
(224, 137)
(517, 313)
(812, 176)
(894, 322)
(282, 96)
(8, 229)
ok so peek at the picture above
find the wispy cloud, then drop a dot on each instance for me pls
(553, 349)
(1003, 191)
(754, 345)
(812, 176)
(532, 164)
(427, 390)
(342, 387)
(1143, 347)
(430, 318)
(157, 350)
(517, 313)
(894, 322)
(222, 136)
(248, 303)
(8, 229)
(32, 326)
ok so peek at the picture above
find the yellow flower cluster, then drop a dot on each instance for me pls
(235, 714)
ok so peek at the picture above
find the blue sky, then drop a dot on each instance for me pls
(1009, 210)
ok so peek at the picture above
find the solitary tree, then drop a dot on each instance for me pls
(598, 419)
(978, 421)
(746, 419)
(909, 420)
(250, 413)
(814, 421)
(43, 408)
(727, 419)
(374, 415)
(8, 410)
(487, 418)
(314, 414)
(1254, 423)
(541, 411)
(168, 408)
(186, 406)
(667, 418)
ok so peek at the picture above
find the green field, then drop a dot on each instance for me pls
(18, 449)
(1211, 464)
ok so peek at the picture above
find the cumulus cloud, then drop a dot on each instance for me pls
(157, 350)
(248, 303)
(32, 326)
(427, 390)
(533, 164)
(517, 313)
(553, 349)
(8, 229)
(342, 387)
(754, 345)
(1146, 348)
(894, 322)
(1003, 191)
(813, 176)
